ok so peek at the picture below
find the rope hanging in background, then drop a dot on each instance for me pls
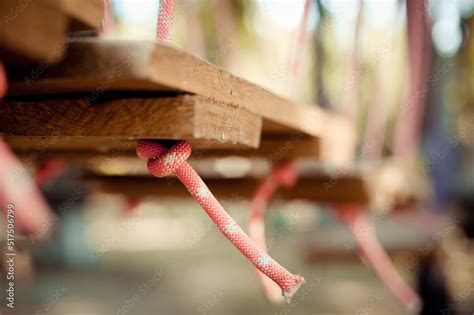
(285, 174)
(364, 234)
(282, 174)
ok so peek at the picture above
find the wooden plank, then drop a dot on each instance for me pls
(92, 65)
(272, 148)
(276, 148)
(349, 190)
(195, 118)
(36, 30)
(372, 185)
(85, 14)
(31, 30)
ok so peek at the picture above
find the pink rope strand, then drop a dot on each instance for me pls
(298, 51)
(409, 121)
(165, 21)
(369, 245)
(162, 162)
(364, 234)
(283, 174)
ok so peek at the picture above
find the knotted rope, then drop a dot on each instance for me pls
(163, 162)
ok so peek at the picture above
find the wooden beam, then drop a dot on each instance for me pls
(334, 243)
(31, 30)
(385, 185)
(271, 148)
(77, 121)
(36, 30)
(350, 190)
(276, 148)
(323, 255)
(85, 14)
(96, 65)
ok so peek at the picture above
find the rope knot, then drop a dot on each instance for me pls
(161, 160)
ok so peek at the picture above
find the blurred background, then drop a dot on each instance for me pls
(160, 255)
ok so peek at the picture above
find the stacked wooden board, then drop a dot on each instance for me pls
(36, 30)
(111, 73)
(105, 95)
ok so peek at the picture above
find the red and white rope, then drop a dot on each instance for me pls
(364, 234)
(408, 125)
(165, 21)
(163, 162)
(297, 53)
(282, 174)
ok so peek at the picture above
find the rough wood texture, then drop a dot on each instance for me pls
(33, 31)
(403, 234)
(277, 148)
(349, 190)
(85, 14)
(189, 117)
(92, 65)
(273, 148)
(36, 30)
(382, 186)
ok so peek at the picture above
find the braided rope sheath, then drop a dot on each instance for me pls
(364, 234)
(282, 174)
(165, 21)
(163, 162)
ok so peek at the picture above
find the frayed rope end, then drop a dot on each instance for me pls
(297, 282)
